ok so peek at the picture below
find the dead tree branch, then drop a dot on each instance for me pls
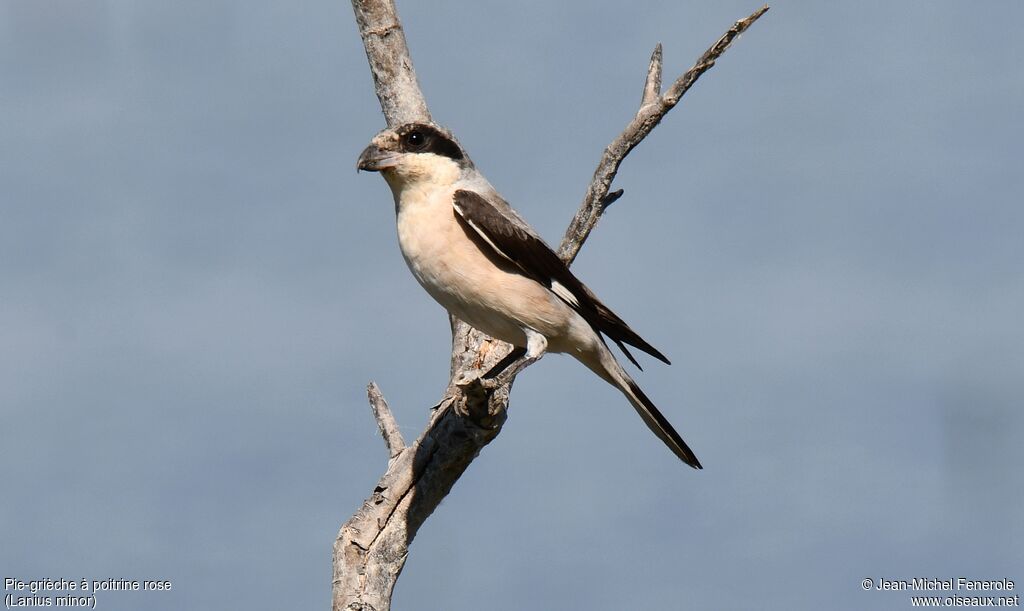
(385, 420)
(371, 547)
(653, 106)
(394, 78)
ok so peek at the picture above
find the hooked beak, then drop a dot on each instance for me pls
(374, 159)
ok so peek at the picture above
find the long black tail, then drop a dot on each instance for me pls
(659, 424)
(603, 363)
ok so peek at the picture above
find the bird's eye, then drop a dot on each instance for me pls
(415, 139)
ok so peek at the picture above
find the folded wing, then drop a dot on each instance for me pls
(515, 243)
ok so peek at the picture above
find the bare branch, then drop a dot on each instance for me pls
(652, 87)
(371, 547)
(649, 115)
(611, 198)
(385, 420)
(707, 60)
(394, 78)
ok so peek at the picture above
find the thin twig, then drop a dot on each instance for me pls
(649, 115)
(652, 86)
(611, 198)
(385, 420)
(707, 60)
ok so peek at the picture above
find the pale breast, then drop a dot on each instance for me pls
(425, 236)
(458, 275)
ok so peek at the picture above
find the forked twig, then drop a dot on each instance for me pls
(653, 106)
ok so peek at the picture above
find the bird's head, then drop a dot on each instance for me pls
(413, 153)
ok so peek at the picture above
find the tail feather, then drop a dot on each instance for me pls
(659, 424)
(603, 363)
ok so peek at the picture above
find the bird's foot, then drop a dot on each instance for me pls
(505, 362)
(467, 380)
(475, 404)
(475, 387)
(474, 394)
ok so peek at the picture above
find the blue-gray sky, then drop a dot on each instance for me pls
(825, 237)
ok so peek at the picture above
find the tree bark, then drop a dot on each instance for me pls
(371, 547)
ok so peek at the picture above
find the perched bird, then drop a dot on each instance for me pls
(480, 260)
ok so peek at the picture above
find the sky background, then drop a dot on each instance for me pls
(825, 237)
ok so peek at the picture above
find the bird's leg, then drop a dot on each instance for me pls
(475, 389)
(507, 368)
(511, 357)
(536, 346)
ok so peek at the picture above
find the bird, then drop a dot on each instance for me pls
(481, 261)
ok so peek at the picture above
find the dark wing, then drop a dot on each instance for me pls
(536, 260)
